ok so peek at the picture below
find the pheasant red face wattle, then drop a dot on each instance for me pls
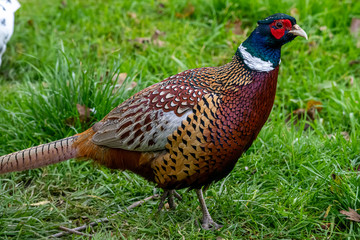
(279, 27)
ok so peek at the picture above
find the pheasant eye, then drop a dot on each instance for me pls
(279, 25)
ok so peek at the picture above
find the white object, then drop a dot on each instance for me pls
(7, 10)
(255, 63)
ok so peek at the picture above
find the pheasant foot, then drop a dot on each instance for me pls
(169, 194)
(207, 222)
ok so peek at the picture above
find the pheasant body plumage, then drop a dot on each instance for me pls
(220, 128)
(188, 130)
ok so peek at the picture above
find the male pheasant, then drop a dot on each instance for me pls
(188, 130)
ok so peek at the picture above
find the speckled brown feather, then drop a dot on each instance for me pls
(209, 142)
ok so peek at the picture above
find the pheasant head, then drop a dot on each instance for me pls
(261, 51)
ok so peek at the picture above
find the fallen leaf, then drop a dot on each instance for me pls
(314, 104)
(323, 28)
(235, 27)
(84, 112)
(333, 176)
(355, 26)
(353, 62)
(294, 12)
(310, 113)
(60, 202)
(84, 115)
(132, 86)
(312, 45)
(133, 16)
(352, 215)
(351, 80)
(119, 78)
(327, 211)
(63, 4)
(160, 7)
(187, 11)
(300, 113)
(326, 226)
(93, 196)
(335, 187)
(330, 136)
(154, 39)
(337, 179)
(157, 33)
(346, 136)
(30, 22)
(19, 47)
(39, 203)
(159, 43)
(142, 40)
(101, 78)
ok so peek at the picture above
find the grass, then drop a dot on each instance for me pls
(290, 184)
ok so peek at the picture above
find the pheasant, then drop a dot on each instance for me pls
(188, 130)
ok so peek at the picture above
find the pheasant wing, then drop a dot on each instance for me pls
(144, 122)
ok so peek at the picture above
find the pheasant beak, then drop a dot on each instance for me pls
(298, 31)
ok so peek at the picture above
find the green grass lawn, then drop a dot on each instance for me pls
(291, 184)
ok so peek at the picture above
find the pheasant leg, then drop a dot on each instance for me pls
(169, 194)
(207, 222)
(178, 196)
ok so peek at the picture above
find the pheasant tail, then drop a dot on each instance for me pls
(39, 156)
(78, 146)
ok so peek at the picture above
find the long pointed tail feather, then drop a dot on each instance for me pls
(39, 156)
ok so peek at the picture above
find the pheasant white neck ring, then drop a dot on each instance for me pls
(255, 63)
